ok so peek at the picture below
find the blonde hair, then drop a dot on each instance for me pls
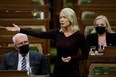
(17, 35)
(109, 30)
(71, 16)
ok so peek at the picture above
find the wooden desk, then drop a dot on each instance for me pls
(100, 60)
(103, 76)
(15, 73)
(39, 76)
(110, 50)
(29, 76)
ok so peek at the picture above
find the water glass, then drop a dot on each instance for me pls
(31, 71)
(93, 48)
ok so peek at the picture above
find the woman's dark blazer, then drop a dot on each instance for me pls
(92, 39)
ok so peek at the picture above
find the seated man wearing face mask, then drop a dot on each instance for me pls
(22, 57)
(102, 35)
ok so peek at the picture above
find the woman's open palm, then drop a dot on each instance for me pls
(14, 28)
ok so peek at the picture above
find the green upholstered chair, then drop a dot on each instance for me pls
(35, 49)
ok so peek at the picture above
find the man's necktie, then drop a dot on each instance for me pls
(23, 66)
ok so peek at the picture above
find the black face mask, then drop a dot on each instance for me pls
(100, 30)
(24, 49)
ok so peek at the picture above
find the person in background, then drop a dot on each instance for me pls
(68, 40)
(102, 34)
(13, 60)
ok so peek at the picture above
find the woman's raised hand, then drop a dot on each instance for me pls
(14, 28)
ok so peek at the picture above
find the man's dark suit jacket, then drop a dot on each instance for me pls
(92, 39)
(10, 62)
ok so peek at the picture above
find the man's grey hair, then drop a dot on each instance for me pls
(17, 35)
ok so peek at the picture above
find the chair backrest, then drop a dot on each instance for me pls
(4, 50)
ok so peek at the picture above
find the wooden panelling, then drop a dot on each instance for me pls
(6, 36)
(98, 9)
(16, 2)
(22, 11)
(24, 22)
(102, 2)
